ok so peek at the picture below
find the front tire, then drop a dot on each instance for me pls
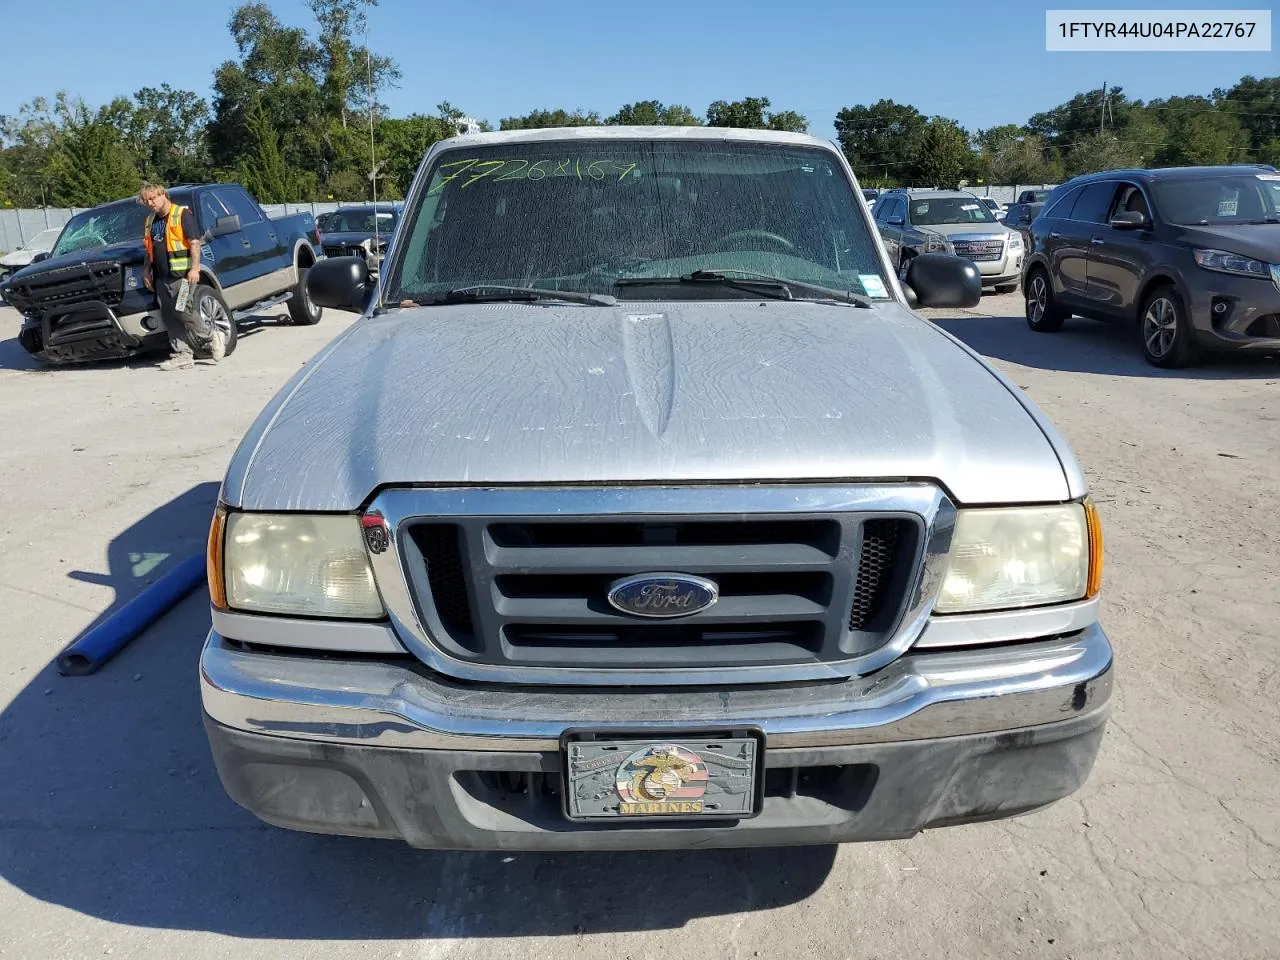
(1167, 338)
(1043, 313)
(302, 310)
(214, 310)
(904, 265)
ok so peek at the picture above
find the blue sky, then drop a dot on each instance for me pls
(981, 64)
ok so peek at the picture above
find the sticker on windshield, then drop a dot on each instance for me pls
(968, 206)
(872, 284)
(1227, 208)
(1269, 176)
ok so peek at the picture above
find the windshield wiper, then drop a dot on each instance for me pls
(752, 282)
(498, 292)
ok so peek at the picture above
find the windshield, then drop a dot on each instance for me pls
(102, 227)
(582, 214)
(355, 221)
(1238, 198)
(950, 210)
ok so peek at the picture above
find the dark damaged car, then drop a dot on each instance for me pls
(359, 231)
(85, 299)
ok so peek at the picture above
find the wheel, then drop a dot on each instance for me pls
(302, 310)
(904, 265)
(1006, 287)
(213, 309)
(1167, 338)
(1043, 313)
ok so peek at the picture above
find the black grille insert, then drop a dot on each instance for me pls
(68, 286)
(875, 572)
(439, 556)
(792, 590)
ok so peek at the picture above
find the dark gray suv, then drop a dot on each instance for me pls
(1189, 255)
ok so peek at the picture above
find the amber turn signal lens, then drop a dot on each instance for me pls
(1094, 524)
(217, 580)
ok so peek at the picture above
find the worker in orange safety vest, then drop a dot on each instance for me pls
(172, 244)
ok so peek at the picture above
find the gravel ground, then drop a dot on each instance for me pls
(116, 838)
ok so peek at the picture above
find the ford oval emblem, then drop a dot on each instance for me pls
(663, 595)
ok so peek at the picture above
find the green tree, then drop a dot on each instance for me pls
(788, 120)
(1256, 103)
(90, 163)
(944, 153)
(881, 141)
(1100, 151)
(1270, 152)
(1006, 154)
(27, 144)
(540, 119)
(753, 113)
(1198, 132)
(166, 131)
(652, 113)
(263, 171)
(404, 142)
(347, 67)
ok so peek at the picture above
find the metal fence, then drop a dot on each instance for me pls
(1005, 193)
(17, 227)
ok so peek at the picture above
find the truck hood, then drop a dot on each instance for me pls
(123, 252)
(642, 392)
(19, 258)
(962, 231)
(353, 237)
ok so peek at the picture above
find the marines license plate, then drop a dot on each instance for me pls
(705, 775)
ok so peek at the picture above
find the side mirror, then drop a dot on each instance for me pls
(895, 221)
(341, 283)
(226, 226)
(42, 255)
(943, 280)
(1128, 220)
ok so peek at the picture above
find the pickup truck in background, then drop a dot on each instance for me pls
(85, 299)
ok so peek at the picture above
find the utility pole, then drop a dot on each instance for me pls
(1102, 113)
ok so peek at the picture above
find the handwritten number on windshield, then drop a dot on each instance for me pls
(533, 171)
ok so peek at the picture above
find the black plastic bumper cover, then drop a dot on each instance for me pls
(492, 800)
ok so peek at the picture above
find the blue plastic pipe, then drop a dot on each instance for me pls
(105, 640)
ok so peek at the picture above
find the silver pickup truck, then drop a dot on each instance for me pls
(639, 510)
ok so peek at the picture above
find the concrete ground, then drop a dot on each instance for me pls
(116, 838)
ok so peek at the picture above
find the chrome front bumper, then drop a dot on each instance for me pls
(397, 703)
(385, 749)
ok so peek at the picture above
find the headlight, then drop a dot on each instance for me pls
(1015, 241)
(1225, 262)
(936, 242)
(1003, 558)
(133, 279)
(297, 564)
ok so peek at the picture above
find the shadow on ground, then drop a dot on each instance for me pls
(14, 357)
(1088, 346)
(110, 806)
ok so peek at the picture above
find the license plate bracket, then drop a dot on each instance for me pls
(642, 775)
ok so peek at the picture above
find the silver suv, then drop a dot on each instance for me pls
(913, 222)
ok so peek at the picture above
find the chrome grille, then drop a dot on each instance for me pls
(979, 250)
(341, 250)
(532, 592)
